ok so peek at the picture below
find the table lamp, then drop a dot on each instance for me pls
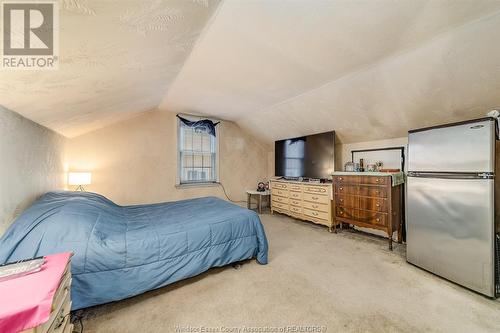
(79, 179)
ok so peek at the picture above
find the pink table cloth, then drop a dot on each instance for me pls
(26, 301)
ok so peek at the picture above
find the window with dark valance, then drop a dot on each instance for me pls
(198, 150)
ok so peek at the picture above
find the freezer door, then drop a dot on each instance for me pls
(450, 229)
(468, 147)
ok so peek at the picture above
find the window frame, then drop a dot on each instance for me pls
(179, 182)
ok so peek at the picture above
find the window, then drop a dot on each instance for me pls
(197, 156)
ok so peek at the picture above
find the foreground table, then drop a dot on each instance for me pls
(38, 302)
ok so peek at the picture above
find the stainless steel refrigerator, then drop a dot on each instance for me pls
(450, 202)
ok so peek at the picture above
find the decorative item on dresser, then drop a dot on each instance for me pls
(370, 200)
(303, 200)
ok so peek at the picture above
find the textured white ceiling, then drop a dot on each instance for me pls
(369, 69)
(117, 59)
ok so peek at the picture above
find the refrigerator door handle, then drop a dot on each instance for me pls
(452, 175)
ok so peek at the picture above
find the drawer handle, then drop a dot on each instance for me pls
(315, 214)
(377, 180)
(315, 198)
(377, 219)
(341, 178)
(378, 205)
(377, 192)
(341, 188)
(341, 200)
(315, 206)
(341, 212)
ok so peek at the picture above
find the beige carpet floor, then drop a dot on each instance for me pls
(315, 280)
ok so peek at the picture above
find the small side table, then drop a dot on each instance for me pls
(260, 195)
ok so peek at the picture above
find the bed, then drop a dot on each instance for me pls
(122, 251)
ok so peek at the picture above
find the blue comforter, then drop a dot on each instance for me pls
(122, 251)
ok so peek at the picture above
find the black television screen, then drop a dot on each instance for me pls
(310, 156)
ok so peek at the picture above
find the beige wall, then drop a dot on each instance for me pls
(32, 163)
(135, 161)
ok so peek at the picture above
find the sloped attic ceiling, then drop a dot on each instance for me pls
(117, 59)
(369, 69)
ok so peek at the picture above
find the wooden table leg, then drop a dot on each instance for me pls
(400, 231)
(260, 204)
(270, 204)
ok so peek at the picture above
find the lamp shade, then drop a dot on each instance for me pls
(79, 178)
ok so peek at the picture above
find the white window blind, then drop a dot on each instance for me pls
(197, 156)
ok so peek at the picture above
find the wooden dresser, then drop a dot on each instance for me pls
(369, 201)
(302, 200)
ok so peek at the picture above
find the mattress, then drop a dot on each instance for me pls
(122, 251)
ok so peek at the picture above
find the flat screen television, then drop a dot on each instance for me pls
(309, 156)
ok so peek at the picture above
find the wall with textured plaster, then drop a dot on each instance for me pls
(32, 163)
(117, 59)
(135, 161)
(368, 69)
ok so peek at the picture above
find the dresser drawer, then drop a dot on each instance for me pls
(349, 201)
(324, 199)
(316, 214)
(295, 187)
(69, 327)
(375, 204)
(61, 292)
(347, 213)
(279, 205)
(62, 318)
(373, 191)
(368, 217)
(282, 186)
(375, 180)
(317, 206)
(280, 199)
(295, 195)
(320, 190)
(346, 189)
(347, 179)
(280, 192)
(296, 210)
(57, 316)
(295, 202)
